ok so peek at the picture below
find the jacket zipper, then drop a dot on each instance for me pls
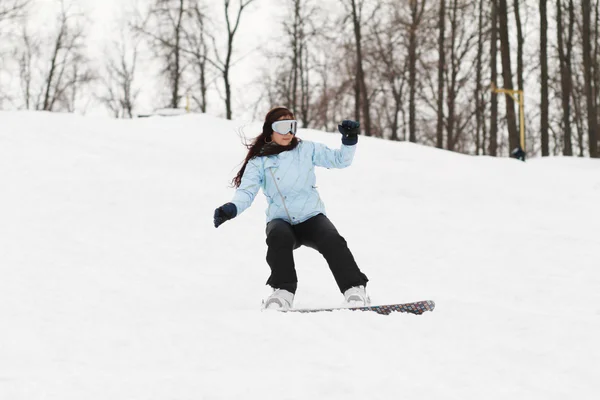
(279, 191)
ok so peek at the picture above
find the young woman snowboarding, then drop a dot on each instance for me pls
(284, 167)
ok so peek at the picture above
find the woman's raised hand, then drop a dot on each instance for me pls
(349, 130)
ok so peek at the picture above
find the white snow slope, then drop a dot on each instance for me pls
(114, 284)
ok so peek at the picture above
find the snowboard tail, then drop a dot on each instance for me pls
(418, 308)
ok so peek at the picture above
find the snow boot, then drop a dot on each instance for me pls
(281, 299)
(356, 297)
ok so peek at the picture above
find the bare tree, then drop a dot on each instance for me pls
(544, 80)
(164, 27)
(462, 41)
(121, 61)
(300, 33)
(68, 68)
(12, 9)
(321, 114)
(331, 83)
(361, 94)
(295, 31)
(392, 63)
(596, 57)
(513, 135)
(592, 119)
(565, 60)
(479, 88)
(224, 65)
(577, 99)
(493, 148)
(441, 74)
(53, 68)
(417, 11)
(197, 37)
(520, 44)
(27, 53)
(294, 64)
(455, 112)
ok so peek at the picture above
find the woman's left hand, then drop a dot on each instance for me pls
(349, 130)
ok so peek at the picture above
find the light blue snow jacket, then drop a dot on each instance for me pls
(288, 180)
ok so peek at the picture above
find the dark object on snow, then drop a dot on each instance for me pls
(518, 153)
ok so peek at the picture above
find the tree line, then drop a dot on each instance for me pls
(416, 70)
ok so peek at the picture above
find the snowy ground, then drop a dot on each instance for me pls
(115, 285)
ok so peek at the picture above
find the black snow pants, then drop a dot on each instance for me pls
(318, 233)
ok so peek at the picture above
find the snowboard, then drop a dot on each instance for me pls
(418, 308)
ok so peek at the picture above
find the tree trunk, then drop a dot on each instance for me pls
(305, 87)
(203, 87)
(226, 82)
(578, 114)
(227, 64)
(494, 77)
(478, 73)
(520, 42)
(586, 10)
(451, 98)
(564, 59)
(396, 119)
(545, 107)
(596, 58)
(513, 134)
(296, 57)
(441, 68)
(175, 94)
(361, 87)
(48, 99)
(412, 68)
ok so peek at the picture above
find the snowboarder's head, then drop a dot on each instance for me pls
(279, 126)
(274, 138)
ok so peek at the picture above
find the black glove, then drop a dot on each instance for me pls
(225, 213)
(349, 130)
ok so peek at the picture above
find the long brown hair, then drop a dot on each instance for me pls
(262, 145)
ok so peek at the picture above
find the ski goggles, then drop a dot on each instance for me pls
(285, 127)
